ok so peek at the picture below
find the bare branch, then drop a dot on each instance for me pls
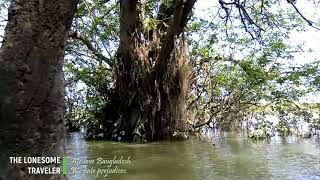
(95, 51)
(220, 58)
(310, 23)
(245, 18)
(208, 121)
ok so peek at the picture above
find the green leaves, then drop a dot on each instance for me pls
(256, 74)
(196, 26)
(151, 24)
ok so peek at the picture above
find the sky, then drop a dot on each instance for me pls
(310, 38)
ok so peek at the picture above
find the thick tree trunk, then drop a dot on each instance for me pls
(31, 83)
(151, 76)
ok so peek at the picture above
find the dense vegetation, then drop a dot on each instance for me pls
(236, 69)
(230, 67)
(148, 70)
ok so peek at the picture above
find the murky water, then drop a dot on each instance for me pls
(232, 157)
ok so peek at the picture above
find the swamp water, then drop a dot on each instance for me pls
(232, 157)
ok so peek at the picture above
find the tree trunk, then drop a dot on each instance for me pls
(31, 83)
(152, 74)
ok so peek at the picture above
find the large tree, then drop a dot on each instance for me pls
(133, 57)
(147, 101)
(31, 83)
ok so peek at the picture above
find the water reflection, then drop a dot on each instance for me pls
(232, 157)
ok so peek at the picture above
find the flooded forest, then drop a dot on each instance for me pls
(161, 89)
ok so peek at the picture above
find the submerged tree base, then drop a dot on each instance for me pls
(147, 102)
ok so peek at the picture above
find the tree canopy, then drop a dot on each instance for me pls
(241, 60)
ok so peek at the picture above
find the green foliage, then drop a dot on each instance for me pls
(255, 81)
(283, 128)
(150, 24)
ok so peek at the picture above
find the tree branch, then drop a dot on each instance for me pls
(310, 23)
(207, 122)
(220, 58)
(183, 8)
(164, 14)
(95, 51)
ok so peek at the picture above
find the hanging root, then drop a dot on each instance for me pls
(151, 108)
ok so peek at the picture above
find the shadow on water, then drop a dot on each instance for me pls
(232, 157)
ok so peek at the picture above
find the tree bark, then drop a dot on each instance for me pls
(150, 75)
(31, 83)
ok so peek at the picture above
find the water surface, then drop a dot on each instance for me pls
(232, 157)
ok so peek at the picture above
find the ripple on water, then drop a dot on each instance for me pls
(232, 157)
